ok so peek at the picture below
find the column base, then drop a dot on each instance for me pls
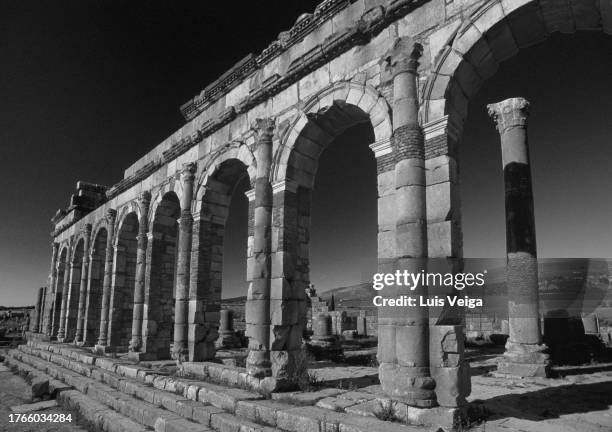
(525, 360)
(258, 363)
(410, 385)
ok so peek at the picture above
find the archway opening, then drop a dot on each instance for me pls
(94, 290)
(123, 284)
(158, 323)
(336, 242)
(222, 250)
(60, 291)
(72, 302)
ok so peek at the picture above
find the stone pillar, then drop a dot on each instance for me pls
(37, 311)
(83, 285)
(524, 354)
(102, 343)
(52, 292)
(180, 349)
(141, 264)
(63, 310)
(257, 311)
(227, 335)
(43, 308)
(403, 348)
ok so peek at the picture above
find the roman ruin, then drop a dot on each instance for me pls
(136, 266)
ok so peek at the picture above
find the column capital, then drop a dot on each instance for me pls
(110, 216)
(264, 127)
(86, 229)
(144, 198)
(188, 172)
(403, 56)
(509, 114)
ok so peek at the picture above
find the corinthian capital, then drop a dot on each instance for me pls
(144, 197)
(188, 172)
(264, 127)
(403, 56)
(509, 114)
(110, 216)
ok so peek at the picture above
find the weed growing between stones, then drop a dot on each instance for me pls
(386, 411)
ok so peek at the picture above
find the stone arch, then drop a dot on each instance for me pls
(72, 301)
(160, 282)
(237, 151)
(214, 193)
(123, 279)
(365, 98)
(171, 186)
(93, 306)
(491, 34)
(123, 212)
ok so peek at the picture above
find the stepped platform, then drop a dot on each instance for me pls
(118, 395)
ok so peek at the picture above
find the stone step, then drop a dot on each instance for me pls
(96, 415)
(160, 409)
(218, 407)
(129, 379)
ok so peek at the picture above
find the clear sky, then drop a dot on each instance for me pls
(86, 88)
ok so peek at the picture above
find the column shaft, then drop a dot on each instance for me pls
(111, 216)
(141, 264)
(258, 296)
(524, 354)
(180, 349)
(403, 348)
(83, 285)
(48, 315)
(64, 296)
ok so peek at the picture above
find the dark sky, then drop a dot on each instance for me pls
(86, 88)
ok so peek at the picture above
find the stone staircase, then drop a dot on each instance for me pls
(115, 395)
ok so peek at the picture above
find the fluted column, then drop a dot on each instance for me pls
(43, 308)
(51, 292)
(403, 349)
(257, 312)
(83, 284)
(525, 354)
(144, 202)
(181, 306)
(111, 216)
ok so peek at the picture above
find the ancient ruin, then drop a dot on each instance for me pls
(136, 267)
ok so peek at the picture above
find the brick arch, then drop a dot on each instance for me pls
(372, 105)
(492, 34)
(233, 151)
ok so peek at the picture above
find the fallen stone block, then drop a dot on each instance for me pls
(26, 408)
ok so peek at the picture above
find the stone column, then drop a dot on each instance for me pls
(227, 335)
(403, 348)
(37, 310)
(62, 297)
(43, 308)
(257, 312)
(180, 350)
(52, 292)
(66, 291)
(524, 354)
(102, 344)
(141, 264)
(83, 285)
